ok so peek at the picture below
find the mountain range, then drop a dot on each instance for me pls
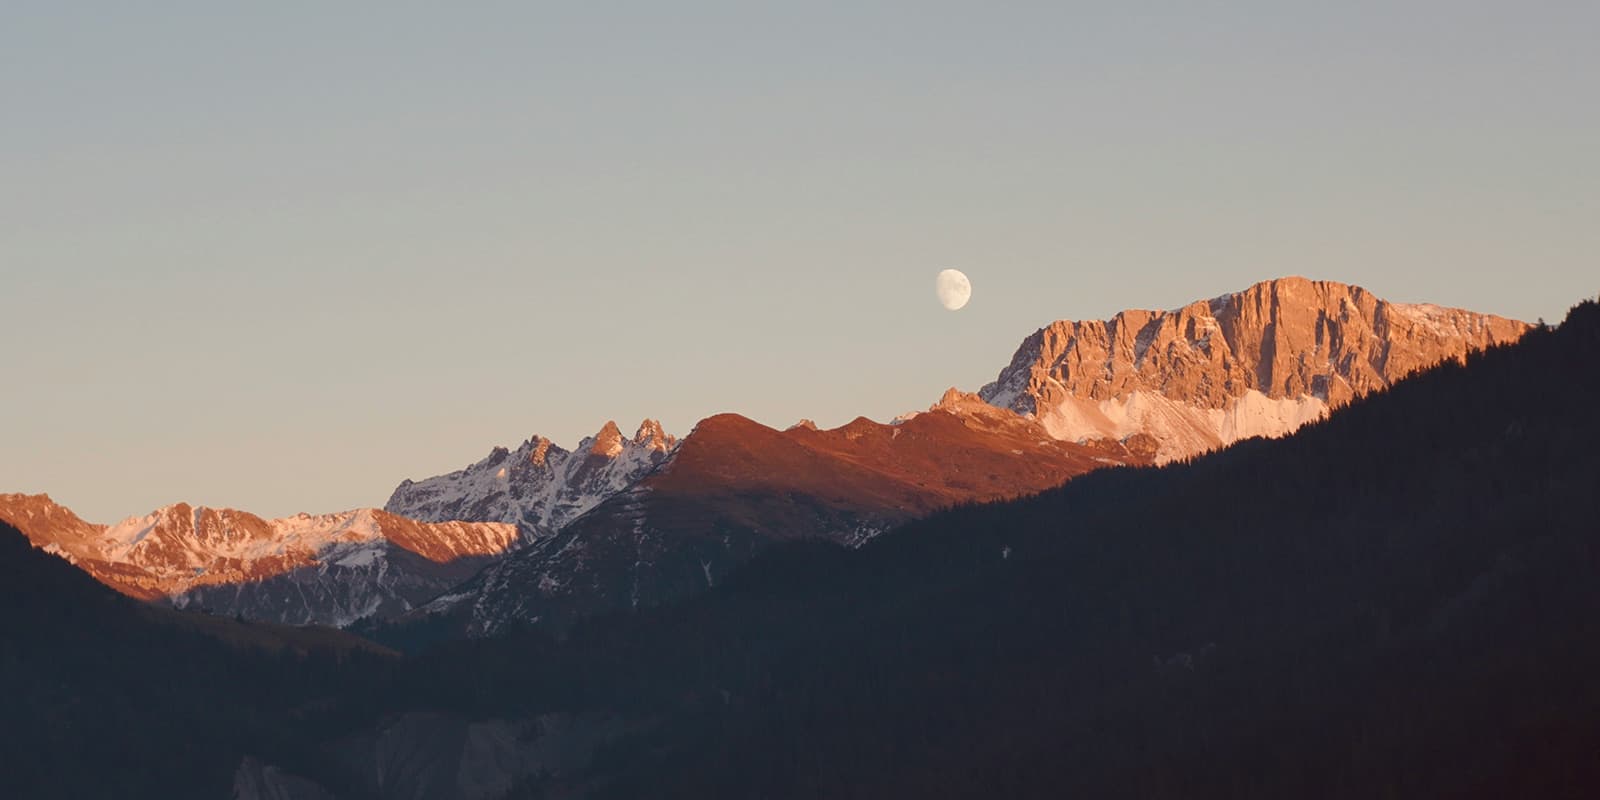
(1396, 600)
(330, 569)
(539, 534)
(1141, 386)
(733, 487)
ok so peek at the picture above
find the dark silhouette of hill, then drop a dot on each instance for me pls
(1400, 601)
(106, 696)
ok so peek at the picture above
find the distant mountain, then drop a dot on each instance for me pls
(328, 569)
(539, 487)
(1398, 601)
(733, 487)
(627, 521)
(1261, 362)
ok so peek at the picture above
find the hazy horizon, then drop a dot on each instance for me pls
(280, 259)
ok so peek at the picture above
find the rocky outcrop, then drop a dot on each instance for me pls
(329, 569)
(1261, 362)
(539, 487)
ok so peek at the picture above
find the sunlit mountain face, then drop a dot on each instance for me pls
(329, 569)
(1370, 598)
(1293, 504)
(1259, 362)
(538, 534)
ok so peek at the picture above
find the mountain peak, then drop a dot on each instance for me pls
(538, 450)
(955, 400)
(651, 435)
(1258, 362)
(608, 442)
(543, 487)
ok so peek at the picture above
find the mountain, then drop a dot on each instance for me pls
(733, 487)
(329, 569)
(1397, 601)
(539, 487)
(621, 523)
(1261, 362)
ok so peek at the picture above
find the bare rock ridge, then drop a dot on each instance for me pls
(330, 568)
(539, 487)
(1261, 362)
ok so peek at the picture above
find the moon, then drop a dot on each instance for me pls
(953, 288)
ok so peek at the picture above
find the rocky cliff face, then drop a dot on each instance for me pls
(1261, 362)
(329, 569)
(539, 487)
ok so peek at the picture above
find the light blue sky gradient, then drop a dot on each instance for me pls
(282, 257)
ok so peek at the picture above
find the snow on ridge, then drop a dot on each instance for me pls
(1181, 429)
(539, 487)
(173, 545)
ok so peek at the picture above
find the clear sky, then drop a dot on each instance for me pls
(280, 256)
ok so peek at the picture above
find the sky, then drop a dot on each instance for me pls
(281, 256)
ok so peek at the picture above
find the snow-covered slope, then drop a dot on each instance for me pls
(1261, 362)
(329, 569)
(539, 487)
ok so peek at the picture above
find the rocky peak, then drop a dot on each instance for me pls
(972, 409)
(27, 506)
(651, 436)
(1261, 361)
(544, 487)
(71, 535)
(538, 451)
(956, 401)
(608, 442)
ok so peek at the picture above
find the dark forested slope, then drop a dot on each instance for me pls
(105, 696)
(1401, 601)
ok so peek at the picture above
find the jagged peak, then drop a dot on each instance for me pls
(539, 452)
(24, 497)
(956, 401)
(952, 398)
(608, 441)
(803, 424)
(652, 435)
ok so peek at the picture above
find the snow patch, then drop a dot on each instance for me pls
(1181, 429)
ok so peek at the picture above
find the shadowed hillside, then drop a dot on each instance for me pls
(1399, 601)
(107, 696)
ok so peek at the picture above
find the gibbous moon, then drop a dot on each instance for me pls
(953, 288)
